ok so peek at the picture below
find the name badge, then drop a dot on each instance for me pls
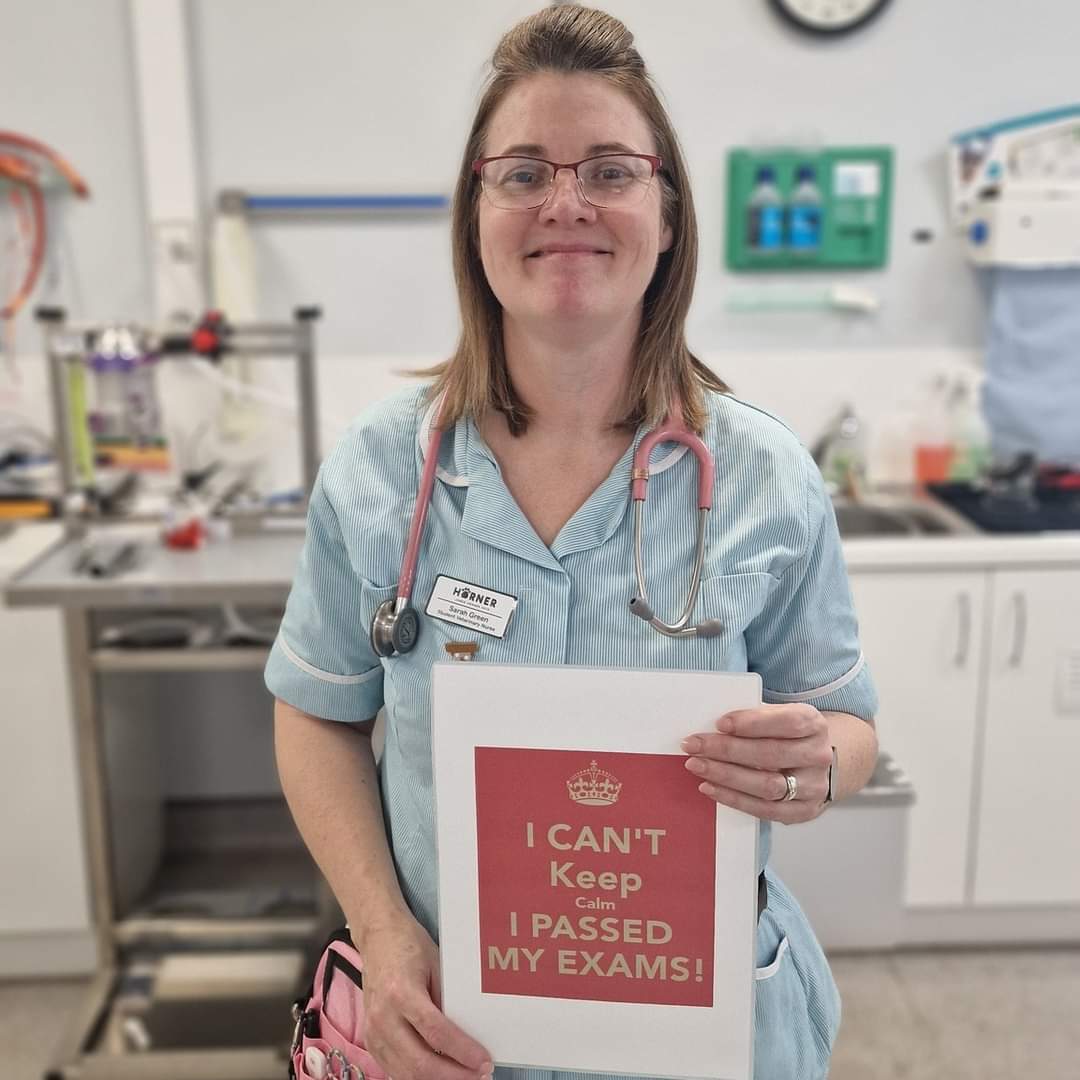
(483, 610)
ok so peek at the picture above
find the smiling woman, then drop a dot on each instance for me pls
(593, 262)
(567, 86)
(575, 253)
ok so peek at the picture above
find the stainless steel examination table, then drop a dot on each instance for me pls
(145, 889)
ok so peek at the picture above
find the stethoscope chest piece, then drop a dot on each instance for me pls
(394, 632)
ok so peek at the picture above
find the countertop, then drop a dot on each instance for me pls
(25, 542)
(36, 566)
(968, 552)
(247, 568)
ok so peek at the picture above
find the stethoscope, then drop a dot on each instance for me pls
(395, 628)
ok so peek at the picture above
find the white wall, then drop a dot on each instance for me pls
(67, 80)
(379, 97)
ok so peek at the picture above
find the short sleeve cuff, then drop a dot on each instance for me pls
(349, 698)
(853, 692)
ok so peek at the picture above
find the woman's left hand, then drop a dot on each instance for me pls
(743, 764)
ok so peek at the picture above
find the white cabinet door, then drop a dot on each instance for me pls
(44, 889)
(45, 924)
(1028, 836)
(922, 633)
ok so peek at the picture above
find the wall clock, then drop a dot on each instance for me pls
(829, 16)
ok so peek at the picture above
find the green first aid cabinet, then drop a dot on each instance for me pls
(821, 209)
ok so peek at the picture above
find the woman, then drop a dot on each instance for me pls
(574, 290)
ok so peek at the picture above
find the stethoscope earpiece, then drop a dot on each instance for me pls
(709, 628)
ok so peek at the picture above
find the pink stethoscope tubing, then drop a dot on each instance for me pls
(672, 431)
(383, 637)
(395, 627)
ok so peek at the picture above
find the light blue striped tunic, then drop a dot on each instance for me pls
(773, 575)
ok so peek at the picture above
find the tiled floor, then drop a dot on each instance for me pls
(961, 1015)
(987, 1015)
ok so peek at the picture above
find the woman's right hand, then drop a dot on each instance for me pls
(405, 1028)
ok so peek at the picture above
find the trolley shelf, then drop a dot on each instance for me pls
(189, 659)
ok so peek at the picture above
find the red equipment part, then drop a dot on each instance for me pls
(209, 336)
(190, 535)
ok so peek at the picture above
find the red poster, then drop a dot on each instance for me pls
(597, 876)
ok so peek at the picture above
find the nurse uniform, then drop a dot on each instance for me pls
(773, 575)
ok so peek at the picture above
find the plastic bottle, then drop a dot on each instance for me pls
(765, 214)
(844, 465)
(804, 213)
(970, 437)
(933, 441)
(894, 450)
(144, 407)
(111, 366)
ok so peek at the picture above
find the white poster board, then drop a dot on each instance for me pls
(564, 928)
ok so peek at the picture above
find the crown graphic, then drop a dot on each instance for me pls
(594, 787)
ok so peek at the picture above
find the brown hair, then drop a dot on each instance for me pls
(568, 38)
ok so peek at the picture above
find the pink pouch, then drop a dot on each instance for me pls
(330, 1016)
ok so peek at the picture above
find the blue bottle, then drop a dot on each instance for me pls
(804, 213)
(765, 214)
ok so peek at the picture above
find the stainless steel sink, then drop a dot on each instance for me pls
(892, 516)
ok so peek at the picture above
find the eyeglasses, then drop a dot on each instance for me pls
(611, 181)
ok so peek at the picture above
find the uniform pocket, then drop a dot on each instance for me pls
(770, 969)
(787, 1042)
(371, 596)
(811, 965)
(735, 600)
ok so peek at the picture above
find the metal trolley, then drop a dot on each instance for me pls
(251, 849)
(215, 338)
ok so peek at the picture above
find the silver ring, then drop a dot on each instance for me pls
(792, 787)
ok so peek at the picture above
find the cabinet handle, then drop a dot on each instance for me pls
(963, 644)
(1019, 629)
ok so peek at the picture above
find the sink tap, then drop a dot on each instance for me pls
(840, 455)
(1014, 482)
